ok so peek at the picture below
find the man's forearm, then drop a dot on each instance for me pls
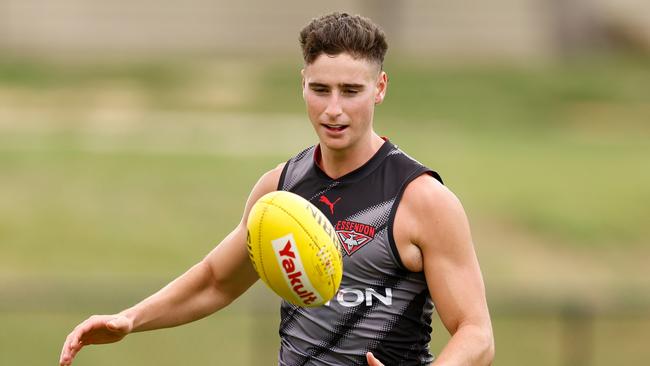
(471, 345)
(189, 297)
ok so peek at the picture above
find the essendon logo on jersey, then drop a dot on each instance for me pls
(354, 235)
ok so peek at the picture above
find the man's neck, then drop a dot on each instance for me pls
(337, 163)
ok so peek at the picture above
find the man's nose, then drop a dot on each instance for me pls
(333, 109)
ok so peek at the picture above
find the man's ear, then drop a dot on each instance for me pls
(382, 85)
(302, 76)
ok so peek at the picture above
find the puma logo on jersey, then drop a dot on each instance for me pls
(327, 202)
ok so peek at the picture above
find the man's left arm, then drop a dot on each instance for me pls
(452, 272)
(433, 235)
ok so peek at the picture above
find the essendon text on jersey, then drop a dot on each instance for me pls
(286, 254)
(357, 227)
(354, 235)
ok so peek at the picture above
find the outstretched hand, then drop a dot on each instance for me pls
(98, 329)
(372, 361)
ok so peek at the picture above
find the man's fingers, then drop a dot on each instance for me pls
(64, 352)
(97, 329)
(67, 346)
(73, 343)
(68, 352)
(74, 351)
(372, 361)
(74, 348)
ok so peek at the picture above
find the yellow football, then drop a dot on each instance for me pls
(294, 249)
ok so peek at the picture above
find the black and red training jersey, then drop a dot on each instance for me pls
(381, 306)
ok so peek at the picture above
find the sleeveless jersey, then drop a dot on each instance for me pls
(380, 306)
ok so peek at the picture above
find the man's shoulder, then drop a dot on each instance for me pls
(410, 165)
(426, 196)
(437, 217)
(269, 181)
(304, 153)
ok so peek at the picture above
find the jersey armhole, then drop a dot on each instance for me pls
(283, 175)
(393, 211)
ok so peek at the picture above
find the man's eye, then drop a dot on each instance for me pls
(319, 90)
(350, 91)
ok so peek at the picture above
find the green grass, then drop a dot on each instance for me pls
(245, 335)
(227, 338)
(122, 208)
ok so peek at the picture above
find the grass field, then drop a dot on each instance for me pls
(116, 178)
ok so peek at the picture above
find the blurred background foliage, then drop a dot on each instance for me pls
(118, 174)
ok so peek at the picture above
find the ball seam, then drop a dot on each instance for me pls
(259, 243)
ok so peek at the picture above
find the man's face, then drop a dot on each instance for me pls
(340, 93)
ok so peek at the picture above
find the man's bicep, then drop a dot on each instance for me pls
(456, 288)
(451, 266)
(266, 184)
(231, 268)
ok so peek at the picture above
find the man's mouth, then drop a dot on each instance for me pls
(336, 128)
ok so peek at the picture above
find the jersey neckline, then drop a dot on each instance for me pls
(359, 172)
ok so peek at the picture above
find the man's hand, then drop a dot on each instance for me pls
(98, 329)
(372, 361)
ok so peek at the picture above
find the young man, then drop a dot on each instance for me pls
(406, 238)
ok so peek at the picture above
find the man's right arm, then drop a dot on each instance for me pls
(213, 283)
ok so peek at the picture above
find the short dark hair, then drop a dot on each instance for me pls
(337, 33)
